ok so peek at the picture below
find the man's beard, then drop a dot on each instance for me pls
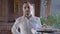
(28, 14)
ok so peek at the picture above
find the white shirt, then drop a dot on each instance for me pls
(26, 25)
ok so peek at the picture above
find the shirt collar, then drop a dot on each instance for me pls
(29, 18)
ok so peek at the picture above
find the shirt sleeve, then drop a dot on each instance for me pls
(38, 24)
(15, 28)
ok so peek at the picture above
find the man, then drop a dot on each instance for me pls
(27, 23)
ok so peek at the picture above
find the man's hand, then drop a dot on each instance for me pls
(33, 31)
(44, 26)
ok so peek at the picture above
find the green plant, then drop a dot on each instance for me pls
(42, 20)
(57, 24)
(50, 20)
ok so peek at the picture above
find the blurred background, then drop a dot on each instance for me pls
(12, 9)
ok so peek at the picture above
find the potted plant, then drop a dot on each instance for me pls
(52, 20)
(49, 20)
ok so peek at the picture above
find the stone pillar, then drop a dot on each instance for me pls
(47, 7)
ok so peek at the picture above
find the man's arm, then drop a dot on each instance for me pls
(38, 24)
(15, 28)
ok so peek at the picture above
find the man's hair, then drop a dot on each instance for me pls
(25, 2)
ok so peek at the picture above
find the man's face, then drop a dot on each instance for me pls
(26, 9)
